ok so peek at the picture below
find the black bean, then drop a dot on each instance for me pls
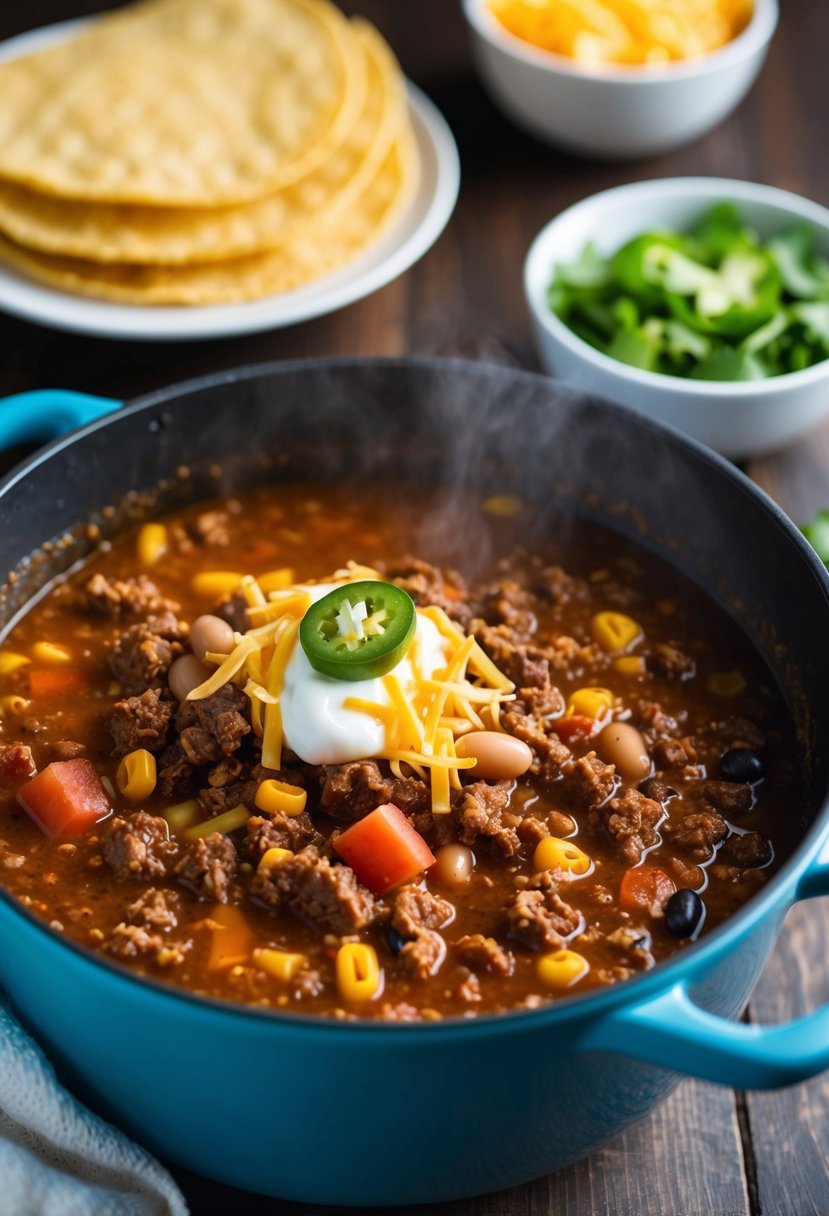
(395, 940)
(653, 788)
(683, 913)
(742, 764)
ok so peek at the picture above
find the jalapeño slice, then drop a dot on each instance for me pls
(358, 631)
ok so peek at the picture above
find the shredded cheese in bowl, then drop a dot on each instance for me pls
(632, 32)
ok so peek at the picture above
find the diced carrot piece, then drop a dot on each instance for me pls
(383, 849)
(576, 726)
(56, 681)
(232, 938)
(66, 798)
(643, 887)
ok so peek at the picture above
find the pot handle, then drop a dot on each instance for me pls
(672, 1031)
(47, 413)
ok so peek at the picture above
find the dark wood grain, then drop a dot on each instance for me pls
(706, 1152)
(798, 478)
(790, 1129)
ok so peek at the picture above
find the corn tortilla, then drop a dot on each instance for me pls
(112, 232)
(183, 103)
(234, 280)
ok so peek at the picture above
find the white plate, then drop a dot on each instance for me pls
(405, 242)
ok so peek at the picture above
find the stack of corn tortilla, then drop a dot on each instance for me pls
(202, 151)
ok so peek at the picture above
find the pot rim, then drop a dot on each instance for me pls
(778, 894)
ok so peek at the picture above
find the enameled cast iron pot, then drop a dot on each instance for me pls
(372, 1114)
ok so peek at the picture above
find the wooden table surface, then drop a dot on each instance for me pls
(708, 1151)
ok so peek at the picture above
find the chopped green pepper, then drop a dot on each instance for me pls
(358, 631)
(714, 303)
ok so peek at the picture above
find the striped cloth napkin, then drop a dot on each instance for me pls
(56, 1157)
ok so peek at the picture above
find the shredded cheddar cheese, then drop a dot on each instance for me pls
(422, 717)
(629, 32)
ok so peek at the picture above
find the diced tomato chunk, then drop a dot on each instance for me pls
(66, 798)
(576, 726)
(383, 849)
(643, 887)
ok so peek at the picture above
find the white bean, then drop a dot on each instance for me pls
(454, 864)
(185, 674)
(498, 756)
(622, 744)
(210, 633)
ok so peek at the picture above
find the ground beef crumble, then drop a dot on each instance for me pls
(631, 821)
(417, 915)
(143, 653)
(350, 791)
(154, 909)
(278, 831)
(748, 850)
(142, 721)
(484, 954)
(541, 919)
(208, 866)
(328, 896)
(212, 727)
(699, 832)
(118, 598)
(590, 780)
(139, 846)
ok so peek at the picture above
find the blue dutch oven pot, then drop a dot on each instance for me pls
(372, 1114)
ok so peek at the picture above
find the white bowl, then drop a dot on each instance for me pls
(737, 419)
(616, 112)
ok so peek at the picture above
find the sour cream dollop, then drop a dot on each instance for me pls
(315, 723)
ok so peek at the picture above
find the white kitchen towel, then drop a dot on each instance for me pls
(56, 1157)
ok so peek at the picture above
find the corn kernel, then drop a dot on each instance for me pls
(276, 580)
(358, 972)
(216, 582)
(552, 853)
(183, 815)
(273, 796)
(50, 652)
(151, 543)
(274, 857)
(136, 775)
(503, 506)
(615, 631)
(9, 662)
(228, 821)
(561, 969)
(281, 964)
(726, 683)
(590, 702)
(630, 665)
